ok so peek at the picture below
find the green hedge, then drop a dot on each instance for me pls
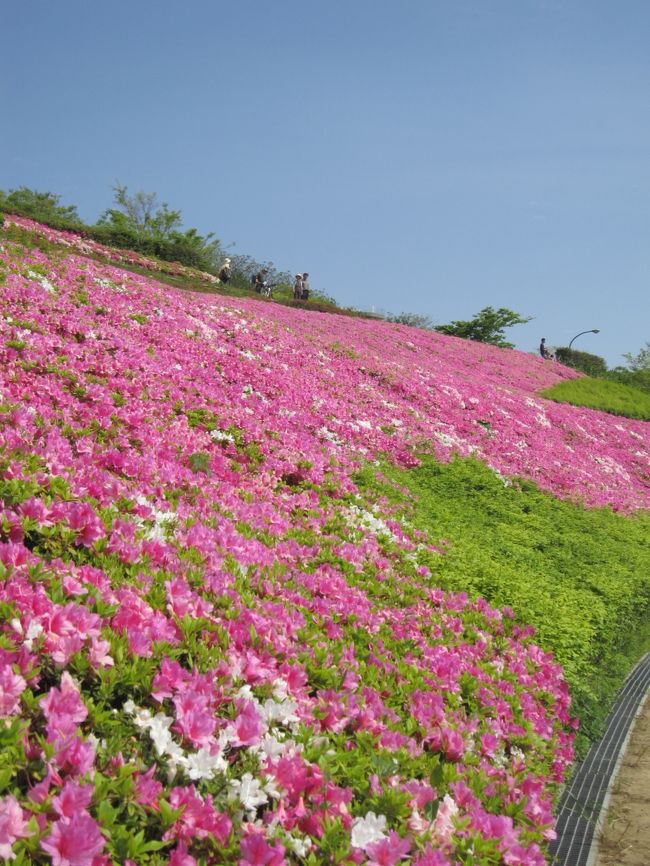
(592, 365)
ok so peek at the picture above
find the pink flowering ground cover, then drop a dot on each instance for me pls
(213, 648)
(90, 247)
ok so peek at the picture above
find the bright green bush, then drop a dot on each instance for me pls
(580, 576)
(613, 397)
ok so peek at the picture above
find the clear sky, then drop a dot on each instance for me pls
(431, 156)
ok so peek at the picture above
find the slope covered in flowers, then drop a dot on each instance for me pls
(214, 649)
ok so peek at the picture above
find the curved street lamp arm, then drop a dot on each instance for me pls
(590, 331)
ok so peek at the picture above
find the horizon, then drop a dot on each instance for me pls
(428, 158)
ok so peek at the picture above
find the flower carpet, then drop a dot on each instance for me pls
(213, 648)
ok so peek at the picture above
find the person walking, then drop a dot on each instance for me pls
(297, 287)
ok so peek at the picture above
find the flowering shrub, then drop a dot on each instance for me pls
(214, 649)
(88, 246)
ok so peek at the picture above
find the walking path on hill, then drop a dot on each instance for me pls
(625, 836)
(604, 819)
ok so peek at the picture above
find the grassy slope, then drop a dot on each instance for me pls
(580, 576)
(612, 397)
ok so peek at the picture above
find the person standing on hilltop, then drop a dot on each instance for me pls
(297, 287)
(304, 293)
(543, 351)
(224, 271)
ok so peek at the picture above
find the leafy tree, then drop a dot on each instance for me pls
(487, 326)
(641, 361)
(42, 206)
(141, 215)
(414, 320)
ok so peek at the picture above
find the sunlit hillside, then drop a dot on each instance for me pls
(256, 606)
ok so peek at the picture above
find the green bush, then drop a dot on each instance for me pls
(635, 378)
(580, 576)
(592, 365)
(603, 394)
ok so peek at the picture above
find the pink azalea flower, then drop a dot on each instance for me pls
(13, 826)
(73, 798)
(248, 725)
(431, 857)
(256, 851)
(387, 852)
(74, 841)
(63, 708)
(180, 856)
(12, 685)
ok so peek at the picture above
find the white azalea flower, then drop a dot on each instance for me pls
(203, 765)
(248, 791)
(367, 830)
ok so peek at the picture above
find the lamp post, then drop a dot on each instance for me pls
(592, 331)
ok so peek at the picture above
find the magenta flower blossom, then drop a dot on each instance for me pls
(73, 798)
(387, 852)
(12, 685)
(63, 708)
(74, 841)
(13, 826)
(256, 851)
(181, 857)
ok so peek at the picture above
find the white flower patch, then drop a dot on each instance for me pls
(161, 520)
(248, 355)
(612, 467)
(222, 436)
(203, 764)
(367, 830)
(329, 435)
(42, 281)
(542, 420)
(34, 629)
(362, 519)
(248, 791)
(104, 283)
(300, 846)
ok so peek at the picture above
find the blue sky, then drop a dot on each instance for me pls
(432, 156)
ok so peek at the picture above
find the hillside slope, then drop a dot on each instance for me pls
(217, 647)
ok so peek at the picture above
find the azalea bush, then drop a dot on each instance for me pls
(216, 647)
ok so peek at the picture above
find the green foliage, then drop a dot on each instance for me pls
(487, 326)
(634, 378)
(641, 361)
(608, 396)
(141, 217)
(580, 576)
(413, 320)
(42, 206)
(592, 365)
